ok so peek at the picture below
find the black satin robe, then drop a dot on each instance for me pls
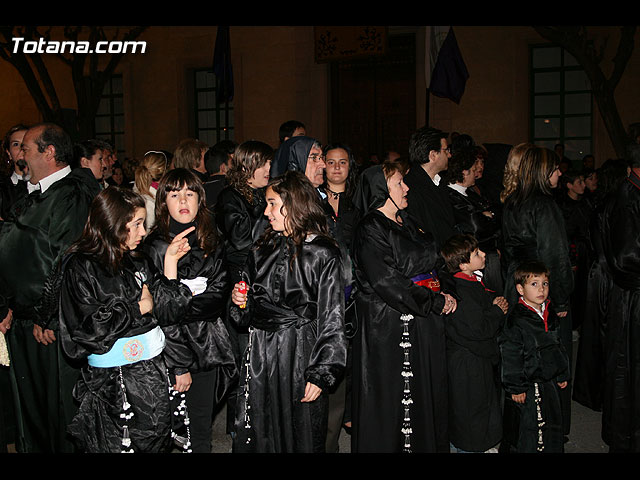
(530, 354)
(201, 341)
(296, 312)
(96, 309)
(621, 400)
(535, 230)
(386, 257)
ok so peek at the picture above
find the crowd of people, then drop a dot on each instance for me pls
(425, 303)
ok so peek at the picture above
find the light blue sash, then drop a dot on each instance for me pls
(129, 350)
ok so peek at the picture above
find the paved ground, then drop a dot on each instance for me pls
(583, 438)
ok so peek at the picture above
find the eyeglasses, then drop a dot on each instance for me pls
(446, 150)
(315, 158)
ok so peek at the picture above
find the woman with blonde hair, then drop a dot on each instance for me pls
(510, 179)
(148, 174)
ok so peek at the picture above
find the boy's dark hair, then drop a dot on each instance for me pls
(457, 250)
(288, 127)
(570, 176)
(529, 269)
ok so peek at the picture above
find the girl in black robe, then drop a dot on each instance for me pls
(240, 222)
(113, 301)
(399, 358)
(198, 352)
(295, 311)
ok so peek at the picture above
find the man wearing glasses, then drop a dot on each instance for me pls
(428, 201)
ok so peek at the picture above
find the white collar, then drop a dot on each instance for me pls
(49, 180)
(539, 312)
(458, 188)
(15, 178)
(436, 179)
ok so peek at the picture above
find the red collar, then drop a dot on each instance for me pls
(471, 278)
(545, 314)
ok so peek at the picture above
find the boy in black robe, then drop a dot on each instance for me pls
(475, 416)
(535, 366)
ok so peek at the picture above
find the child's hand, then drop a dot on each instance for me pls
(519, 398)
(562, 384)
(239, 294)
(146, 300)
(502, 303)
(450, 304)
(183, 382)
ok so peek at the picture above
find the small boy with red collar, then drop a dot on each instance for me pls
(535, 366)
(475, 417)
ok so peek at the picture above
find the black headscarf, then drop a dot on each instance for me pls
(372, 191)
(292, 155)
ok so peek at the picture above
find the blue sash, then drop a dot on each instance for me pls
(129, 350)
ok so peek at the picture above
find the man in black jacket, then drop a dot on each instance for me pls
(43, 225)
(429, 203)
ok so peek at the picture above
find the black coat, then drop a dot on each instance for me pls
(295, 311)
(240, 224)
(430, 205)
(534, 230)
(386, 257)
(621, 244)
(475, 415)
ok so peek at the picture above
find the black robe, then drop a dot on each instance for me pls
(295, 310)
(475, 414)
(588, 377)
(429, 204)
(96, 309)
(387, 256)
(41, 227)
(621, 400)
(201, 341)
(577, 217)
(535, 230)
(533, 356)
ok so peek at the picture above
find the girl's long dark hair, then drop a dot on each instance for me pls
(173, 181)
(105, 233)
(304, 213)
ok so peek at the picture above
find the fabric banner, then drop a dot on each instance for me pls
(446, 73)
(222, 65)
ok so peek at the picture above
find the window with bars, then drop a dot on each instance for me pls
(109, 121)
(561, 102)
(213, 120)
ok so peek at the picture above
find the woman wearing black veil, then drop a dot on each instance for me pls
(399, 362)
